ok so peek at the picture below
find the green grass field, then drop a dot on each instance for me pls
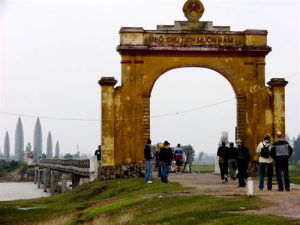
(132, 202)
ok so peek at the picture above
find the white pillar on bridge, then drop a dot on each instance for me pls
(94, 165)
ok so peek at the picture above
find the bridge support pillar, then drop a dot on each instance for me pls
(39, 177)
(94, 165)
(75, 181)
(54, 182)
(35, 172)
(64, 178)
(46, 176)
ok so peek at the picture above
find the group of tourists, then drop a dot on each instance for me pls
(236, 159)
(165, 158)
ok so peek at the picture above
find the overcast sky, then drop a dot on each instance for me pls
(53, 52)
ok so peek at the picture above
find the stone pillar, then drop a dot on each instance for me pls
(108, 124)
(53, 182)
(64, 178)
(35, 174)
(75, 181)
(39, 177)
(46, 178)
(277, 86)
(94, 165)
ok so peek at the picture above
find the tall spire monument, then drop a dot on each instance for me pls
(37, 140)
(6, 147)
(49, 146)
(19, 141)
(57, 150)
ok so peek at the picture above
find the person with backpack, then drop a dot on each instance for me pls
(265, 162)
(280, 152)
(178, 156)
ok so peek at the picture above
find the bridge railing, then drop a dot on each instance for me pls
(82, 167)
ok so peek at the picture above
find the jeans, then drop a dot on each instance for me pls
(223, 169)
(282, 165)
(262, 172)
(165, 172)
(148, 170)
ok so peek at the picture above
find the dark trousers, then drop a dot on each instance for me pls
(282, 166)
(242, 170)
(223, 169)
(263, 167)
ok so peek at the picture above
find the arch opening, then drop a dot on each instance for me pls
(192, 106)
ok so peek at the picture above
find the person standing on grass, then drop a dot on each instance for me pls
(265, 162)
(148, 162)
(280, 152)
(178, 155)
(165, 157)
(243, 158)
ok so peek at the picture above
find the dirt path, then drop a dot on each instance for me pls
(286, 204)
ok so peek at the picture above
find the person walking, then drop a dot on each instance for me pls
(243, 158)
(265, 162)
(223, 161)
(148, 162)
(231, 154)
(280, 152)
(165, 157)
(178, 155)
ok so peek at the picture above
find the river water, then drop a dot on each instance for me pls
(20, 190)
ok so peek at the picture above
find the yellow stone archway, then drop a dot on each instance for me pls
(239, 56)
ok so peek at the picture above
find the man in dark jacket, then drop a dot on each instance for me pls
(231, 154)
(243, 158)
(280, 152)
(223, 161)
(98, 153)
(165, 157)
(148, 162)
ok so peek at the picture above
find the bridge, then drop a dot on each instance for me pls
(54, 174)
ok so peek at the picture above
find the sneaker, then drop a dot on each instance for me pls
(226, 179)
(287, 189)
(149, 181)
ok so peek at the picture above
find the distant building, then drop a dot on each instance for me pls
(37, 140)
(19, 141)
(6, 147)
(49, 152)
(57, 150)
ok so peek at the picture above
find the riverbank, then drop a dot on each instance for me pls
(21, 174)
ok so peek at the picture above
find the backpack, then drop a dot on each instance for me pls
(264, 152)
(178, 155)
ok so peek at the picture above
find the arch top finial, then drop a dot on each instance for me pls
(193, 10)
